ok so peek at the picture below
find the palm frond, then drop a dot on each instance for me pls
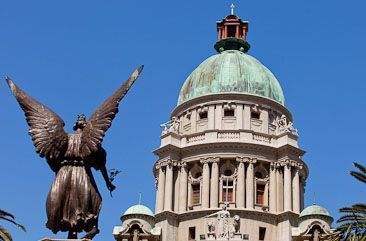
(359, 176)
(360, 167)
(5, 235)
(15, 223)
(6, 214)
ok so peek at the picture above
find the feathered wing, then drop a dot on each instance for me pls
(101, 120)
(45, 126)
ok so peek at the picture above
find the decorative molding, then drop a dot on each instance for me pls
(229, 106)
(171, 126)
(202, 109)
(256, 108)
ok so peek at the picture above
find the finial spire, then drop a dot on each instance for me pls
(232, 6)
(140, 198)
(314, 201)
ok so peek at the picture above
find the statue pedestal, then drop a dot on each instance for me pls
(53, 239)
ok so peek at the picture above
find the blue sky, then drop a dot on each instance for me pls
(71, 55)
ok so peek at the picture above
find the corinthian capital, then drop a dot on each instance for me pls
(252, 160)
(205, 160)
(182, 164)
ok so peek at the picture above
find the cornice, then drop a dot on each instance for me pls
(243, 213)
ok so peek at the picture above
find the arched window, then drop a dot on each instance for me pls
(227, 182)
(261, 185)
(195, 185)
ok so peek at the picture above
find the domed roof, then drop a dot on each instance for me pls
(139, 209)
(231, 71)
(314, 210)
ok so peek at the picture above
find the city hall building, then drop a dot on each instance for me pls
(229, 166)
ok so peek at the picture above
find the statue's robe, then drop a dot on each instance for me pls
(74, 201)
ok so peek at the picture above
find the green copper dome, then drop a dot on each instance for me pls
(314, 210)
(139, 209)
(231, 71)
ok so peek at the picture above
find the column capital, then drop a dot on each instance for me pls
(242, 159)
(182, 164)
(206, 160)
(252, 160)
(166, 162)
(273, 165)
(287, 163)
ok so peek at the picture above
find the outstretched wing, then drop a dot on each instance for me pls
(45, 126)
(101, 120)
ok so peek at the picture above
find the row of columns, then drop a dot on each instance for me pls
(285, 189)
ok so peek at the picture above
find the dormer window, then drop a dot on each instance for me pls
(229, 112)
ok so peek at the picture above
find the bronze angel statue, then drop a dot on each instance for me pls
(74, 202)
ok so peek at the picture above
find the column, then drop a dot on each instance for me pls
(194, 121)
(287, 187)
(265, 121)
(160, 193)
(272, 189)
(211, 117)
(296, 191)
(239, 116)
(250, 184)
(279, 179)
(183, 187)
(205, 184)
(218, 116)
(214, 184)
(302, 193)
(247, 117)
(168, 187)
(240, 196)
(176, 175)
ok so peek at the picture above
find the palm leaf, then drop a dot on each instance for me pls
(5, 235)
(359, 176)
(6, 214)
(15, 223)
(360, 167)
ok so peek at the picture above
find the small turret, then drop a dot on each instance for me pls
(232, 33)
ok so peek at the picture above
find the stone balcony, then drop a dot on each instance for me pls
(237, 136)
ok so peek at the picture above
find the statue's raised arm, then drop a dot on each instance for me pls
(45, 127)
(98, 124)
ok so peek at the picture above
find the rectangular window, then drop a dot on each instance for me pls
(229, 113)
(192, 233)
(195, 194)
(203, 115)
(262, 233)
(260, 194)
(231, 30)
(255, 115)
(228, 191)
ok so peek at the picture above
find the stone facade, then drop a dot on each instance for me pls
(246, 160)
(229, 165)
(229, 152)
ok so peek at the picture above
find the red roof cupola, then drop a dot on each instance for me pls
(232, 33)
